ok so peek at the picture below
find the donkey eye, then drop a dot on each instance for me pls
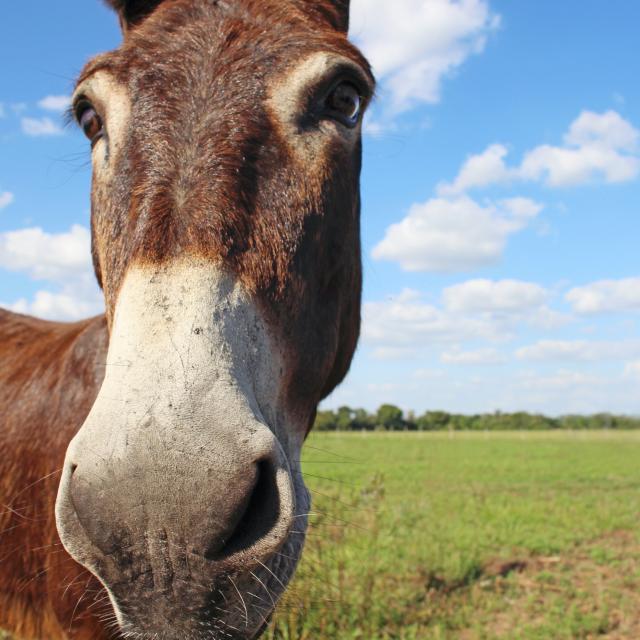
(345, 104)
(90, 122)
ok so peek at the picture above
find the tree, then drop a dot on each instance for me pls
(344, 418)
(325, 421)
(433, 421)
(411, 423)
(362, 421)
(390, 417)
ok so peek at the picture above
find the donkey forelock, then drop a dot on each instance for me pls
(334, 12)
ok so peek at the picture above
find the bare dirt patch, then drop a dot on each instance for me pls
(592, 591)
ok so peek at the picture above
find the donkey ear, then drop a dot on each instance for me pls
(133, 12)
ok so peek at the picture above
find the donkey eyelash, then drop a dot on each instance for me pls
(69, 116)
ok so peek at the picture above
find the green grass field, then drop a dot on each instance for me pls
(474, 536)
(532, 535)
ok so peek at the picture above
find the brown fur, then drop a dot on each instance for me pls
(49, 376)
(198, 73)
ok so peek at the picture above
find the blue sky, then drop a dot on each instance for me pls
(501, 186)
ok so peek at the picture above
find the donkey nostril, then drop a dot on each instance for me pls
(261, 514)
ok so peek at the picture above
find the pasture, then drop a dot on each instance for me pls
(469, 536)
(474, 536)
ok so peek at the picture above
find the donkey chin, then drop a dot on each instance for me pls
(182, 491)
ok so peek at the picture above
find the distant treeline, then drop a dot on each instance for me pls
(391, 418)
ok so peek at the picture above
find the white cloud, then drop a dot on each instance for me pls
(609, 129)
(522, 208)
(579, 350)
(455, 233)
(497, 296)
(55, 103)
(477, 311)
(606, 296)
(62, 259)
(401, 326)
(566, 391)
(446, 235)
(559, 381)
(596, 147)
(6, 198)
(511, 302)
(562, 167)
(36, 127)
(47, 256)
(477, 357)
(72, 303)
(414, 44)
(479, 171)
(632, 370)
(546, 318)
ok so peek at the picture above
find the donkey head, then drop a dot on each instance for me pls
(226, 151)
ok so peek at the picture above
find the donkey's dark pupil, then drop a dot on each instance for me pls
(346, 100)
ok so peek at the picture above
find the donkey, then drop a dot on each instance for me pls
(226, 153)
